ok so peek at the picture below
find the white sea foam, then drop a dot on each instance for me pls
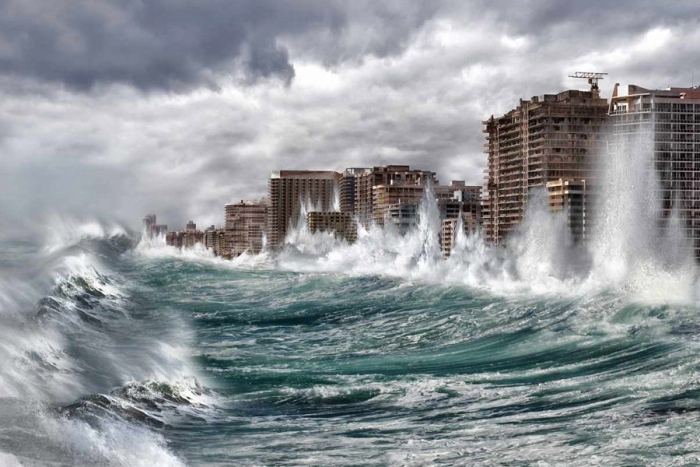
(625, 254)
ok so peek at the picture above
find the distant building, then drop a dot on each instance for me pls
(214, 240)
(543, 139)
(571, 197)
(348, 183)
(245, 227)
(160, 229)
(367, 180)
(341, 224)
(389, 197)
(672, 117)
(149, 222)
(151, 228)
(288, 189)
(449, 230)
(185, 238)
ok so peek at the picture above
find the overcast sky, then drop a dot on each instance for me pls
(115, 108)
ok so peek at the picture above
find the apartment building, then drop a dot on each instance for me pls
(288, 190)
(341, 224)
(543, 139)
(245, 227)
(571, 197)
(670, 120)
(368, 180)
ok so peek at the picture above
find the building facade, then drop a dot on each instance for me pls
(670, 119)
(571, 197)
(341, 224)
(245, 227)
(543, 139)
(289, 190)
(449, 230)
(367, 181)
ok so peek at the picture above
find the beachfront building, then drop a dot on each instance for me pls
(572, 199)
(245, 227)
(289, 190)
(543, 139)
(340, 224)
(395, 180)
(670, 120)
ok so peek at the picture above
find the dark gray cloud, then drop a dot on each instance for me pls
(175, 44)
(354, 84)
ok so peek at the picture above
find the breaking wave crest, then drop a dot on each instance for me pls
(87, 372)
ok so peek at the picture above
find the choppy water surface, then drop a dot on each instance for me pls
(143, 355)
(115, 352)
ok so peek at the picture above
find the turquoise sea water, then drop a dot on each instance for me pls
(116, 354)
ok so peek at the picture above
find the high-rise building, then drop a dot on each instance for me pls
(347, 189)
(149, 223)
(572, 198)
(341, 224)
(670, 120)
(245, 227)
(367, 180)
(543, 139)
(289, 189)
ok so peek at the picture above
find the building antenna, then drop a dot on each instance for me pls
(591, 77)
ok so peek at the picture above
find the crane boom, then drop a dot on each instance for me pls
(592, 78)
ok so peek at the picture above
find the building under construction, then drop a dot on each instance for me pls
(668, 119)
(289, 190)
(543, 139)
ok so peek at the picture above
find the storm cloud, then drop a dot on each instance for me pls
(115, 108)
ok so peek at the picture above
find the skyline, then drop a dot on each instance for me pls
(328, 86)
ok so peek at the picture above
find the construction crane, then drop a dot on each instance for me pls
(591, 77)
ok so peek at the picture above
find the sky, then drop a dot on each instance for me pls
(112, 109)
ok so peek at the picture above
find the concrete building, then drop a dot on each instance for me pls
(390, 196)
(149, 223)
(288, 189)
(402, 215)
(245, 227)
(341, 224)
(153, 229)
(348, 189)
(672, 117)
(160, 229)
(543, 139)
(214, 240)
(449, 230)
(367, 180)
(184, 238)
(571, 196)
(457, 198)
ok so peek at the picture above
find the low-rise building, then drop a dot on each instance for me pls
(449, 230)
(341, 224)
